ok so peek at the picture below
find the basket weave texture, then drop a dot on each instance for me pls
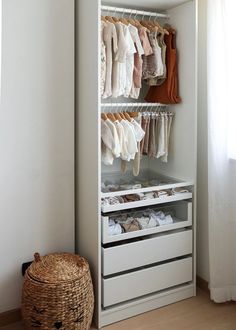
(58, 293)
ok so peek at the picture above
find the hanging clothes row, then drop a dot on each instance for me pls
(129, 135)
(133, 51)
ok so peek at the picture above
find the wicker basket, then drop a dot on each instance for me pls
(58, 293)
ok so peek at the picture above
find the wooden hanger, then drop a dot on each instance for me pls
(169, 28)
(132, 21)
(110, 19)
(122, 115)
(117, 116)
(127, 116)
(103, 116)
(161, 29)
(147, 25)
(124, 21)
(133, 114)
(103, 19)
(111, 117)
(115, 19)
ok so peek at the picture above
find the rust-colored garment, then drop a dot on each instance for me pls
(167, 93)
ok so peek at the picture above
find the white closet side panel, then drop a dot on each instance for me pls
(182, 155)
(87, 138)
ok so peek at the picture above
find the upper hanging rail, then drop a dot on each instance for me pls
(134, 11)
(137, 104)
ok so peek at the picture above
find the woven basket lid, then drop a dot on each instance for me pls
(58, 267)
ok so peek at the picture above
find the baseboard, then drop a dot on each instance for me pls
(9, 317)
(202, 284)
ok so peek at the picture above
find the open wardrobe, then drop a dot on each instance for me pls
(136, 118)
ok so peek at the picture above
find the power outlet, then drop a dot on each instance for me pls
(24, 267)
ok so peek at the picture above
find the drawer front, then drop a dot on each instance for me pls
(133, 255)
(136, 284)
(146, 202)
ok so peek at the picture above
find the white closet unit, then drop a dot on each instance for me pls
(134, 272)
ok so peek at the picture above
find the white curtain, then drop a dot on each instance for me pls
(221, 64)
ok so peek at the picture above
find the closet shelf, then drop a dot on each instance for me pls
(147, 181)
(135, 12)
(134, 104)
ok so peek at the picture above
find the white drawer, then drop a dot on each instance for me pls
(136, 284)
(147, 202)
(152, 250)
(183, 218)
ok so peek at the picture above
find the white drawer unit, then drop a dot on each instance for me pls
(182, 218)
(146, 281)
(147, 251)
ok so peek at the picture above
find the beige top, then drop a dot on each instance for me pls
(103, 60)
(119, 63)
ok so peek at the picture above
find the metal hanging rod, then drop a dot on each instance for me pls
(113, 105)
(134, 11)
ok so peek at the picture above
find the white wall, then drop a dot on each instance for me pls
(36, 137)
(202, 196)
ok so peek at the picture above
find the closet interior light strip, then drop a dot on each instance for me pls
(110, 105)
(134, 12)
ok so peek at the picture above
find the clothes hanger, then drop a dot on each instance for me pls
(103, 19)
(133, 114)
(169, 28)
(162, 29)
(111, 117)
(110, 19)
(103, 116)
(130, 20)
(126, 114)
(147, 25)
(123, 20)
(115, 19)
(122, 115)
(117, 116)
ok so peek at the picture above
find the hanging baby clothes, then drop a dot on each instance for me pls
(138, 62)
(119, 63)
(137, 72)
(116, 144)
(139, 135)
(137, 159)
(169, 120)
(107, 144)
(152, 137)
(110, 41)
(145, 141)
(129, 60)
(167, 93)
(150, 63)
(103, 59)
(162, 59)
